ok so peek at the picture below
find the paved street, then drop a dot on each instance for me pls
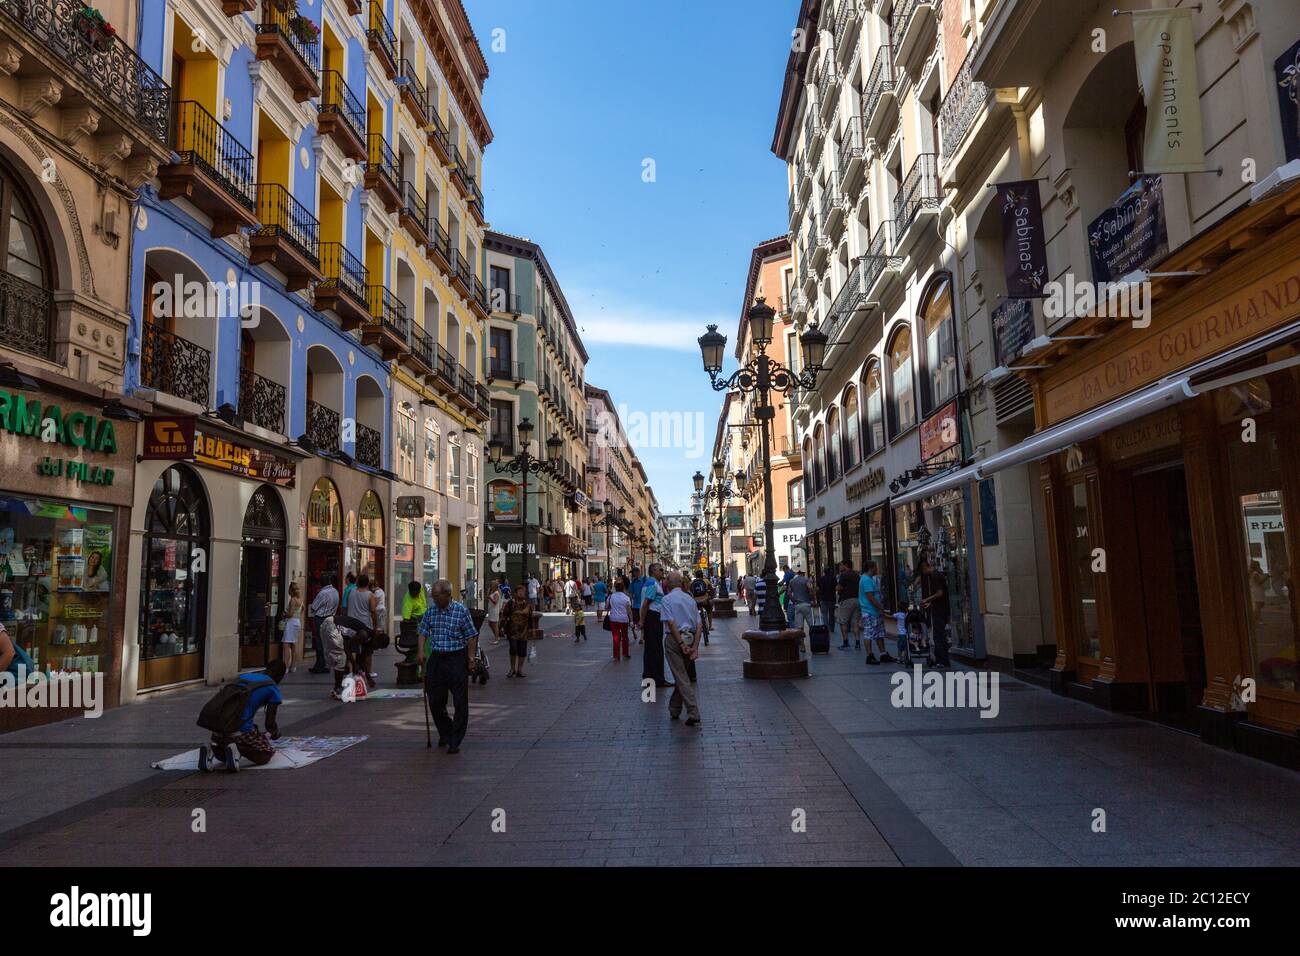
(587, 774)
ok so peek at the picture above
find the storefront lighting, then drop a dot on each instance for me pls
(15, 380)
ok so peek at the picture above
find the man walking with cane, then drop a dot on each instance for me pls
(449, 641)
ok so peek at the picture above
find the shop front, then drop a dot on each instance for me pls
(210, 600)
(343, 524)
(66, 492)
(1170, 467)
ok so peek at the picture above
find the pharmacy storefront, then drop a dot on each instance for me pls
(66, 488)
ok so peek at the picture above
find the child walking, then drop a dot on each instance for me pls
(579, 617)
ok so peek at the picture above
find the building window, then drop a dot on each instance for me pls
(25, 275)
(500, 277)
(430, 454)
(852, 440)
(500, 354)
(940, 347)
(471, 475)
(503, 425)
(405, 442)
(819, 464)
(809, 489)
(833, 446)
(873, 436)
(173, 592)
(902, 396)
(794, 497)
(453, 466)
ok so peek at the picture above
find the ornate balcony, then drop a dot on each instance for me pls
(918, 199)
(414, 97)
(505, 302)
(445, 369)
(478, 299)
(288, 239)
(476, 202)
(505, 371)
(370, 446)
(343, 288)
(964, 104)
(460, 174)
(382, 39)
(388, 328)
(439, 138)
(462, 278)
(848, 22)
(26, 316)
(813, 136)
(850, 158)
(482, 402)
(101, 88)
(884, 264)
(828, 83)
(912, 18)
(291, 40)
(342, 116)
(832, 209)
(324, 427)
(261, 401)
(383, 176)
(233, 8)
(175, 365)
(878, 101)
(419, 360)
(413, 215)
(439, 247)
(213, 171)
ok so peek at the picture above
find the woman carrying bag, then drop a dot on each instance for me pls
(517, 622)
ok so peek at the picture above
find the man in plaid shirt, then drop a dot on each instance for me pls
(449, 640)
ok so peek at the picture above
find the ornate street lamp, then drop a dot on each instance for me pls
(764, 376)
(524, 463)
(718, 491)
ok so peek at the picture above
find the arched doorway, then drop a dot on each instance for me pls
(261, 578)
(370, 538)
(174, 580)
(324, 539)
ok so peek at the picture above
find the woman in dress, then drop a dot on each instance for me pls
(494, 602)
(517, 616)
(292, 626)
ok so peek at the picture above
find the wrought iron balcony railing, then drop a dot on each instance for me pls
(879, 82)
(298, 30)
(343, 269)
(388, 311)
(439, 241)
(324, 426)
(920, 190)
(175, 365)
(830, 198)
(446, 366)
(439, 131)
(961, 105)
(261, 401)
(413, 90)
(503, 301)
(903, 11)
(105, 64)
(370, 446)
(506, 371)
(337, 97)
(380, 32)
(25, 316)
(851, 145)
(203, 142)
(284, 217)
(421, 345)
(413, 205)
(381, 158)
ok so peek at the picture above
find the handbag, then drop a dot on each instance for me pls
(606, 624)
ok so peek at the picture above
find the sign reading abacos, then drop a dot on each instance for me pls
(1131, 233)
(1013, 329)
(1164, 43)
(1024, 250)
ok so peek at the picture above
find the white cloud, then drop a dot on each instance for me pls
(606, 318)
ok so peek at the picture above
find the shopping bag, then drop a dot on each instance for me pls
(360, 688)
(348, 692)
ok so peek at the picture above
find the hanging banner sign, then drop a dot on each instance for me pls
(1013, 329)
(1286, 70)
(1024, 250)
(1130, 234)
(1164, 43)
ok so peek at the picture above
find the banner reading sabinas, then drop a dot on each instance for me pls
(1165, 46)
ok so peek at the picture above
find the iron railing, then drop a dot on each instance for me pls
(502, 300)
(961, 105)
(421, 346)
(830, 197)
(406, 77)
(25, 316)
(851, 145)
(380, 31)
(465, 384)
(879, 82)
(105, 64)
(370, 446)
(324, 426)
(483, 398)
(285, 218)
(903, 11)
(175, 365)
(920, 190)
(381, 158)
(438, 237)
(298, 30)
(446, 366)
(828, 77)
(337, 97)
(440, 133)
(343, 270)
(413, 205)
(261, 401)
(387, 311)
(203, 142)
(506, 370)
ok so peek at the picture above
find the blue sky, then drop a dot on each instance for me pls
(581, 95)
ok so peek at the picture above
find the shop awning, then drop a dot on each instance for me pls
(933, 486)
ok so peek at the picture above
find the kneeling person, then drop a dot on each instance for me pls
(251, 743)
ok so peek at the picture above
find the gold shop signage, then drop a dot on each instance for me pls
(1255, 309)
(869, 482)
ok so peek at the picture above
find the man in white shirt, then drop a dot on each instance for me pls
(681, 617)
(533, 585)
(323, 605)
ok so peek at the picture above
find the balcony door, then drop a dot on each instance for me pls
(26, 276)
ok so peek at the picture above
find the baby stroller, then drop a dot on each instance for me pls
(918, 645)
(481, 671)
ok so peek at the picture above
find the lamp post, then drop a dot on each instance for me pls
(609, 518)
(764, 375)
(524, 463)
(720, 490)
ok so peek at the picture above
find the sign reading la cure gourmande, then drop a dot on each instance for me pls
(27, 418)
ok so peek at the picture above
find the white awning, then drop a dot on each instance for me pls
(932, 486)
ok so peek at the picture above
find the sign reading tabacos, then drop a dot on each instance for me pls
(1254, 309)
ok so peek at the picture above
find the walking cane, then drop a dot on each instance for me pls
(424, 703)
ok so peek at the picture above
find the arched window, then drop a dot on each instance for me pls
(431, 441)
(405, 442)
(833, 446)
(809, 490)
(174, 586)
(873, 436)
(940, 346)
(794, 497)
(902, 392)
(453, 465)
(324, 512)
(819, 466)
(261, 578)
(852, 440)
(26, 273)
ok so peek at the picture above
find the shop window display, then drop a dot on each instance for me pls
(175, 565)
(1085, 584)
(55, 582)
